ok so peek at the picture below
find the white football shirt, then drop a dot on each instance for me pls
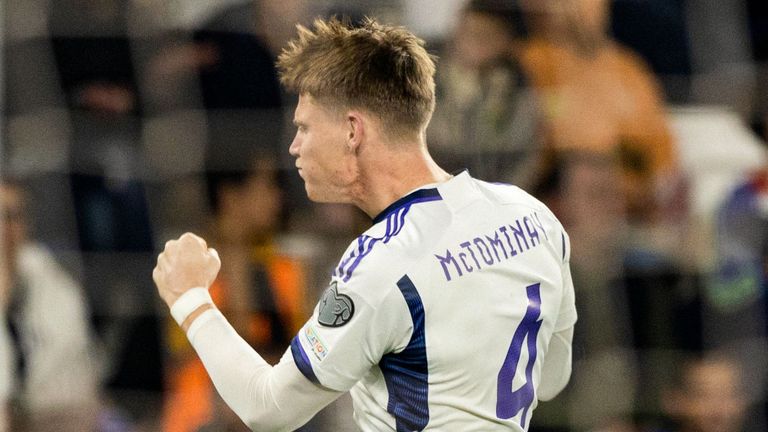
(439, 316)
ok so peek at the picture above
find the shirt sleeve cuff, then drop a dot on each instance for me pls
(200, 321)
(189, 302)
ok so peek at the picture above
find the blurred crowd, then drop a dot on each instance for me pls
(641, 123)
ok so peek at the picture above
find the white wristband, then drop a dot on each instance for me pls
(189, 302)
(200, 321)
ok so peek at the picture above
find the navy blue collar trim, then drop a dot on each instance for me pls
(421, 195)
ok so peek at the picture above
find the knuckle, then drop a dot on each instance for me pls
(194, 240)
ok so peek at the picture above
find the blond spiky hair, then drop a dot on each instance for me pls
(384, 70)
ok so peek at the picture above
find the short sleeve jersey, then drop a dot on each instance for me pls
(439, 316)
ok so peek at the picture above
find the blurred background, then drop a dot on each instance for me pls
(641, 123)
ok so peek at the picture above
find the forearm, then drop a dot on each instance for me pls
(266, 398)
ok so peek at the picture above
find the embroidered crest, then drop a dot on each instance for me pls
(335, 309)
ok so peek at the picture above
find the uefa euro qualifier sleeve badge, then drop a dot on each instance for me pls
(335, 309)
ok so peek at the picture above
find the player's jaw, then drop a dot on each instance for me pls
(328, 184)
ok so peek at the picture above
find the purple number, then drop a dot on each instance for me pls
(509, 403)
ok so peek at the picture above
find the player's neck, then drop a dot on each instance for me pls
(392, 175)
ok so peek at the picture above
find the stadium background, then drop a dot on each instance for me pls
(120, 117)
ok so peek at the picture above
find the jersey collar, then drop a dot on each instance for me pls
(419, 195)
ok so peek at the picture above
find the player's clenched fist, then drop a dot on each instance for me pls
(185, 263)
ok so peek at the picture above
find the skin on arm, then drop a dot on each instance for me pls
(185, 263)
(266, 398)
(194, 315)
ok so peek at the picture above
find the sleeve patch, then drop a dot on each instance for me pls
(334, 309)
(315, 342)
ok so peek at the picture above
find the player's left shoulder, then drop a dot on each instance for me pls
(516, 201)
(505, 194)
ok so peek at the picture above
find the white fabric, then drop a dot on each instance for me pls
(266, 398)
(556, 370)
(189, 302)
(470, 306)
(60, 362)
(470, 319)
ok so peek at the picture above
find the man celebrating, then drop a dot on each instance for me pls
(454, 311)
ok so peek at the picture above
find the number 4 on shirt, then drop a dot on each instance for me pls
(509, 403)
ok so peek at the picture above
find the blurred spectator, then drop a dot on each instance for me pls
(276, 20)
(723, 68)
(599, 97)
(232, 71)
(706, 395)
(740, 287)
(213, 100)
(111, 121)
(96, 69)
(735, 307)
(610, 166)
(261, 289)
(583, 179)
(93, 55)
(488, 119)
(51, 347)
(703, 52)
(589, 201)
(657, 30)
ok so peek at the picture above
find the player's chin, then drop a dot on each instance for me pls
(318, 198)
(321, 195)
(313, 193)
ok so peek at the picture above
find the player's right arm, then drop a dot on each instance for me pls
(266, 398)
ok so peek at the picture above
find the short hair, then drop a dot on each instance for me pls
(382, 69)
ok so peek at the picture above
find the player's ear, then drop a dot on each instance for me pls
(355, 130)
